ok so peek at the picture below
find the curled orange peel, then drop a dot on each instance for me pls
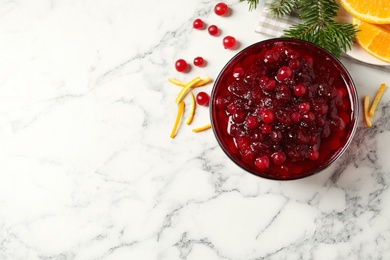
(366, 104)
(179, 115)
(376, 100)
(192, 111)
(182, 84)
(186, 89)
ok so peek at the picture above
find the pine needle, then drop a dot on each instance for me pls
(318, 27)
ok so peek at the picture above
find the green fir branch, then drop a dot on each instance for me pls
(252, 4)
(318, 25)
(279, 8)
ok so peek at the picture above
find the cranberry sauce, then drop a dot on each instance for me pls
(283, 109)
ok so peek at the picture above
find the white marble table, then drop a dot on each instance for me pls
(88, 171)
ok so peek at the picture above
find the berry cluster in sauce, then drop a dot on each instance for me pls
(282, 110)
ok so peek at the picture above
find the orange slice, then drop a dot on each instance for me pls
(179, 115)
(366, 105)
(376, 100)
(202, 128)
(192, 111)
(373, 39)
(370, 11)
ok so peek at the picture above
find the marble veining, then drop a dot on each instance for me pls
(88, 171)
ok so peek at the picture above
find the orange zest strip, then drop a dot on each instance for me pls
(376, 99)
(176, 82)
(187, 88)
(202, 128)
(192, 111)
(366, 104)
(179, 115)
(182, 84)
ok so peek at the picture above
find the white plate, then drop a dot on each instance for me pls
(356, 51)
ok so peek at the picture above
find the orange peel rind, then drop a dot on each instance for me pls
(179, 115)
(366, 104)
(192, 111)
(182, 84)
(202, 128)
(376, 100)
(186, 89)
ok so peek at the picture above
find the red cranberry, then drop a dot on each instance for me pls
(304, 107)
(284, 73)
(320, 108)
(262, 162)
(270, 56)
(213, 30)
(295, 117)
(278, 158)
(308, 117)
(308, 60)
(221, 9)
(238, 116)
(313, 155)
(198, 61)
(181, 65)
(198, 24)
(238, 72)
(270, 85)
(266, 129)
(229, 42)
(300, 90)
(252, 122)
(294, 64)
(276, 135)
(268, 116)
(202, 98)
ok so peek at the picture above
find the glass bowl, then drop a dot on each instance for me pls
(284, 109)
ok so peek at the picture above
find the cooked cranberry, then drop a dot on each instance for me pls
(283, 117)
(278, 158)
(256, 95)
(320, 108)
(284, 73)
(304, 107)
(321, 122)
(236, 130)
(238, 72)
(283, 93)
(239, 116)
(313, 155)
(300, 90)
(220, 102)
(308, 60)
(252, 122)
(295, 117)
(266, 129)
(337, 124)
(276, 135)
(308, 117)
(302, 137)
(256, 136)
(270, 85)
(270, 56)
(248, 155)
(294, 64)
(268, 116)
(262, 162)
(263, 80)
